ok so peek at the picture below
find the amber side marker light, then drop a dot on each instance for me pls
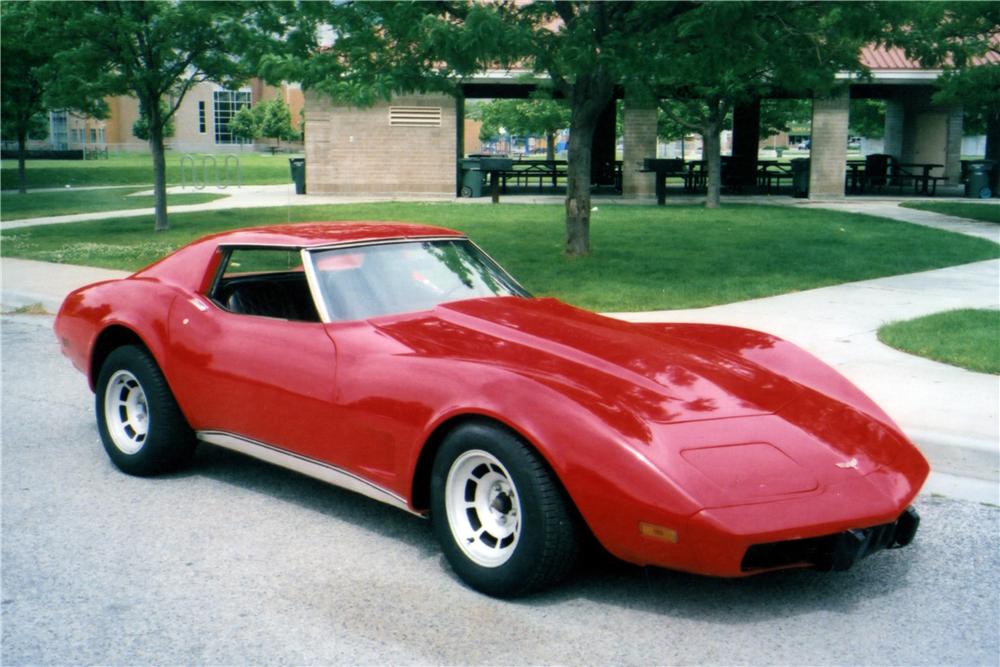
(658, 532)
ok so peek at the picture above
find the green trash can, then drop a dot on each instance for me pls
(800, 177)
(472, 177)
(298, 167)
(979, 179)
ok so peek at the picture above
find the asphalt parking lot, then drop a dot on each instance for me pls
(236, 562)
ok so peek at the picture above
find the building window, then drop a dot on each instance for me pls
(59, 130)
(93, 135)
(201, 118)
(226, 104)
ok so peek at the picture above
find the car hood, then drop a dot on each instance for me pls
(655, 376)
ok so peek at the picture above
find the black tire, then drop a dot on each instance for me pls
(466, 191)
(143, 430)
(489, 476)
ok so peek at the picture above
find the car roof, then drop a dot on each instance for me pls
(318, 234)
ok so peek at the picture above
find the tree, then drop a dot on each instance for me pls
(766, 46)
(779, 115)
(276, 121)
(155, 51)
(271, 119)
(28, 87)
(245, 123)
(140, 128)
(964, 39)
(586, 49)
(583, 49)
(867, 118)
(525, 117)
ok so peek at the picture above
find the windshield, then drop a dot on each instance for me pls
(368, 281)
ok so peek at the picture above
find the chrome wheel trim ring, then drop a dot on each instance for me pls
(126, 412)
(484, 511)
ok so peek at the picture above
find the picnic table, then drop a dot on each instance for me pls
(770, 173)
(524, 171)
(856, 176)
(923, 182)
(665, 169)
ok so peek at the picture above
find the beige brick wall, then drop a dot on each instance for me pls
(352, 150)
(828, 160)
(639, 130)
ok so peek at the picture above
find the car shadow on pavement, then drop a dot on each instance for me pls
(788, 593)
(284, 485)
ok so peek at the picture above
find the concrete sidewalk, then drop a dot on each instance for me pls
(249, 196)
(952, 414)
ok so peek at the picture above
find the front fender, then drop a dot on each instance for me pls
(601, 454)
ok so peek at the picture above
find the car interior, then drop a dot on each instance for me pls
(282, 295)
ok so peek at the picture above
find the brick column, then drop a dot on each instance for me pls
(639, 130)
(828, 162)
(895, 113)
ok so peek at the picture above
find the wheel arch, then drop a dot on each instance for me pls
(420, 484)
(108, 340)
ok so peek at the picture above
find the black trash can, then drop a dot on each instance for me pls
(472, 177)
(979, 180)
(298, 167)
(800, 177)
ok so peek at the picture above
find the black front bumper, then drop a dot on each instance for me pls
(833, 552)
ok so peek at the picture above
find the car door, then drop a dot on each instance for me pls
(266, 378)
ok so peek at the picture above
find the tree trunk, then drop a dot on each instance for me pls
(22, 149)
(581, 140)
(159, 174)
(712, 155)
(590, 96)
(550, 146)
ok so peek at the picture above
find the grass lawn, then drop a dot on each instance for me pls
(14, 206)
(644, 257)
(967, 338)
(137, 169)
(984, 212)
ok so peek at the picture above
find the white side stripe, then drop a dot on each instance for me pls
(306, 466)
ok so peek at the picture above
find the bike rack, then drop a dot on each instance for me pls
(206, 162)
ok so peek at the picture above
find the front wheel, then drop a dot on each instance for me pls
(141, 426)
(503, 522)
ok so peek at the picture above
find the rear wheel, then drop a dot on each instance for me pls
(141, 427)
(503, 522)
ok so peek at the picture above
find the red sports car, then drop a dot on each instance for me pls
(401, 362)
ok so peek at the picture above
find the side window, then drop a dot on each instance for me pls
(265, 282)
(243, 261)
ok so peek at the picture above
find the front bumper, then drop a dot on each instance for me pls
(832, 552)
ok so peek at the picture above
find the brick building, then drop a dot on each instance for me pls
(201, 123)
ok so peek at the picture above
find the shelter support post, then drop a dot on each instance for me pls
(639, 135)
(829, 146)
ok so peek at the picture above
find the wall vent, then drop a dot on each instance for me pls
(415, 116)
